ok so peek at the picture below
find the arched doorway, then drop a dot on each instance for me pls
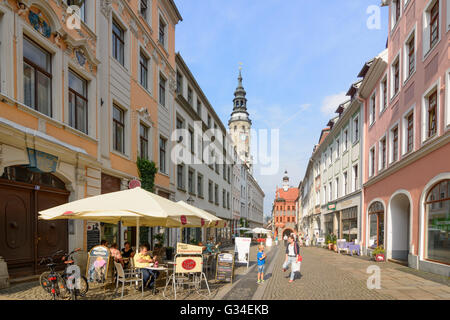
(23, 193)
(398, 227)
(376, 225)
(437, 222)
(287, 232)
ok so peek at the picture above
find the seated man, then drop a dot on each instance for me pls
(143, 260)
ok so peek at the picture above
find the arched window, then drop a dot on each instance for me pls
(437, 208)
(27, 175)
(376, 220)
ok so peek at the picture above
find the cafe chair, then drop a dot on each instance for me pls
(128, 277)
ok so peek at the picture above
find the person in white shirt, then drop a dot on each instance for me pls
(292, 253)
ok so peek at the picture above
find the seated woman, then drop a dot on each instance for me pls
(127, 254)
(115, 254)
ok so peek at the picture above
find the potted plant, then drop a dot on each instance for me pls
(329, 241)
(379, 254)
(158, 247)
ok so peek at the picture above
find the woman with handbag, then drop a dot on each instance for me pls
(293, 258)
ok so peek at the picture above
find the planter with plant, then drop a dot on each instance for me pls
(379, 254)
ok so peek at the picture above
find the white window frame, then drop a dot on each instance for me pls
(391, 143)
(126, 128)
(161, 16)
(148, 19)
(372, 166)
(127, 40)
(355, 184)
(424, 131)
(161, 73)
(372, 108)
(393, 10)
(91, 88)
(406, 75)
(426, 45)
(56, 63)
(447, 92)
(380, 153)
(142, 49)
(345, 182)
(382, 108)
(336, 191)
(393, 94)
(345, 140)
(148, 124)
(355, 138)
(405, 130)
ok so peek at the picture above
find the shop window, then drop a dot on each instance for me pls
(437, 204)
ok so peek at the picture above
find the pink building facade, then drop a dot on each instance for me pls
(406, 179)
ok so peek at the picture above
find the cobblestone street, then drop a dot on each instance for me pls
(325, 275)
(328, 275)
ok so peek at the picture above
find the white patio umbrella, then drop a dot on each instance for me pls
(133, 207)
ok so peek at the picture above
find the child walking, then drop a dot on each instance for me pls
(261, 257)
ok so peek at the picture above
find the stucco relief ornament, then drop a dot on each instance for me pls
(80, 57)
(106, 7)
(23, 10)
(39, 24)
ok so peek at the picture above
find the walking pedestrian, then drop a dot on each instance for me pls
(261, 257)
(285, 238)
(292, 254)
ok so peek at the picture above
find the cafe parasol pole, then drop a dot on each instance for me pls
(137, 234)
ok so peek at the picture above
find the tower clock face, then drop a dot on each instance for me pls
(243, 136)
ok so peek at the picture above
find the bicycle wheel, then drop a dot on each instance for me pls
(61, 290)
(44, 282)
(84, 287)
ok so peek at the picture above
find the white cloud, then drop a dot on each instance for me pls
(331, 103)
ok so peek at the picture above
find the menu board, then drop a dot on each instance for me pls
(224, 269)
(97, 265)
(92, 234)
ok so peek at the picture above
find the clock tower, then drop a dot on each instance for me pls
(240, 125)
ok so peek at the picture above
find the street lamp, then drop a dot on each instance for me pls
(190, 201)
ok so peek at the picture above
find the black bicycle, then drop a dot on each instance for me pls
(64, 285)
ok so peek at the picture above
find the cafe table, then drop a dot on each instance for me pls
(160, 269)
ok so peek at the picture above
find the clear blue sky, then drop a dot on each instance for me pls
(299, 59)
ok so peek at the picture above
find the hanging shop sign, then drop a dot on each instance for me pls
(331, 206)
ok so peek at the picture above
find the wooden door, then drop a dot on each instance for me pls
(52, 235)
(17, 229)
